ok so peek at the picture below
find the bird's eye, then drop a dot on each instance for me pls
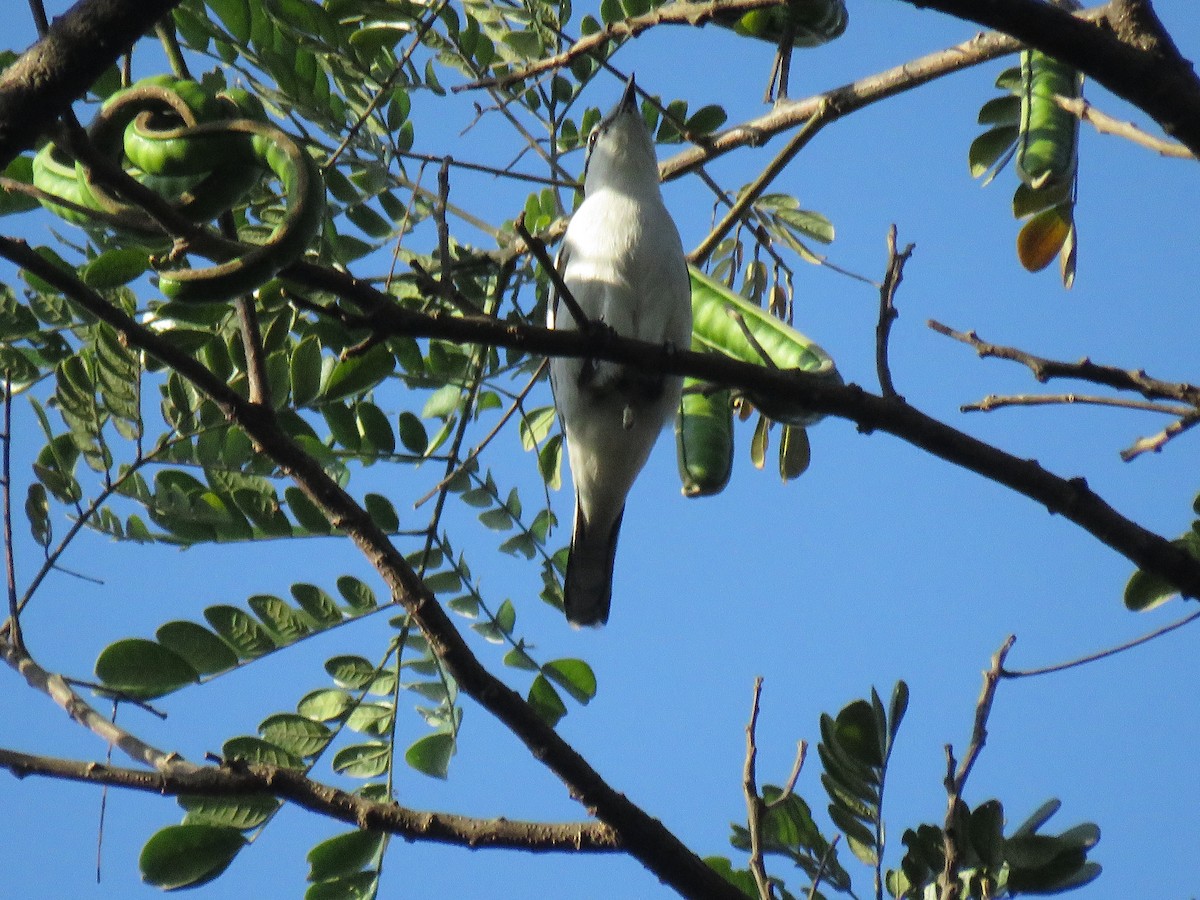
(592, 138)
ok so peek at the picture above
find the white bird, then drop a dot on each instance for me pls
(624, 264)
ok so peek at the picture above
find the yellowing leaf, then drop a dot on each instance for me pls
(1042, 237)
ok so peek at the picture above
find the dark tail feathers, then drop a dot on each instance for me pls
(587, 588)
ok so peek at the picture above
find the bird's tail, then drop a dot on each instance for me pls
(587, 588)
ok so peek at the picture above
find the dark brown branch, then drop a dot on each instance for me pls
(236, 779)
(1127, 50)
(645, 838)
(41, 85)
(887, 311)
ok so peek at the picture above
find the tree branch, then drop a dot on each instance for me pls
(645, 838)
(237, 778)
(37, 88)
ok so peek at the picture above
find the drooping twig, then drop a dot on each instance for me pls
(755, 807)
(887, 310)
(956, 778)
(797, 765)
(1101, 654)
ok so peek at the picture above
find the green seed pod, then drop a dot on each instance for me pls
(704, 439)
(1049, 135)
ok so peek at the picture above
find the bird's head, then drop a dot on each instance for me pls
(620, 150)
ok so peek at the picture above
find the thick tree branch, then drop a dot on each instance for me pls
(645, 838)
(41, 85)
(237, 779)
(1126, 49)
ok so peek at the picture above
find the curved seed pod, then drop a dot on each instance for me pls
(721, 320)
(704, 439)
(54, 173)
(304, 197)
(1049, 135)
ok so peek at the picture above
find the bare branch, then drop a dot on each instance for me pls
(237, 778)
(994, 401)
(1106, 124)
(1101, 654)
(888, 312)
(1155, 442)
(956, 779)
(1044, 369)
(755, 808)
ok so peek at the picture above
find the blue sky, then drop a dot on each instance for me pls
(879, 563)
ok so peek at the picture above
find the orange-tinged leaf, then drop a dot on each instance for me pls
(1042, 237)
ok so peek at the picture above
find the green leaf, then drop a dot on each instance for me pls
(358, 374)
(285, 623)
(256, 750)
(114, 268)
(356, 593)
(305, 371)
(575, 677)
(545, 701)
(246, 636)
(317, 603)
(992, 148)
(143, 669)
(324, 705)
(344, 854)
(203, 650)
(181, 856)
(431, 754)
(352, 672)
(412, 432)
(857, 733)
(706, 119)
(241, 812)
(37, 510)
(359, 886)
(536, 425)
(299, 735)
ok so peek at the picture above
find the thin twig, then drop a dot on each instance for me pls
(10, 565)
(1044, 369)
(479, 448)
(807, 132)
(823, 865)
(755, 808)
(1154, 443)
(446, 276)
(538, 249)
(994, 401)
(887, 311)
(956, 779)
(1101, 654)
(797, 765)
(1106, 124)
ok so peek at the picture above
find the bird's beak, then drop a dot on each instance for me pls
(629, 98)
